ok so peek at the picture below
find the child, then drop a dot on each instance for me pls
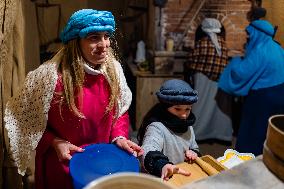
(166, 133)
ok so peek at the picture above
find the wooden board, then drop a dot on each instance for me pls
(196, 171)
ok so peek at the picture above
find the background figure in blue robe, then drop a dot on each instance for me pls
(259, 76)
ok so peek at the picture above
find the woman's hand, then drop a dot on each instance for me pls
(129, 146)
(64, 148)
(190, 155)
(168, 170)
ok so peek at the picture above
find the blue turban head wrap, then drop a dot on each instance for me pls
(86, 21)
(263, 57)
(176, 91)
(259, 31)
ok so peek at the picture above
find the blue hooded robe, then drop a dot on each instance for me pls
(259, 76)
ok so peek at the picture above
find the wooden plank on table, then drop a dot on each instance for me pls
(197, 173)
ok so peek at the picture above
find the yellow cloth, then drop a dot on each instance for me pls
(232, 158)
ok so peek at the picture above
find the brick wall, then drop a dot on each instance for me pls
(177, 15)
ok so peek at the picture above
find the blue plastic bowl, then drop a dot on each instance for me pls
(99, 160)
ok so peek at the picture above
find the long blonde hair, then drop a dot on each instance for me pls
(72, 70)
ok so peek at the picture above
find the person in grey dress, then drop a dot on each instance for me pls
(166, 134)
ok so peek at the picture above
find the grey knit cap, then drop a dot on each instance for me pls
(176, 91)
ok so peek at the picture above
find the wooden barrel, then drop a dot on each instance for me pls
(273, 151)
(275, 135)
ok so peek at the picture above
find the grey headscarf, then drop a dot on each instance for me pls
(211, 26)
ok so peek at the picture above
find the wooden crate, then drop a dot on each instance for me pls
(167, 62)
(146, 86)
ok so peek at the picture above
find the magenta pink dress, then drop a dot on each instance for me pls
(96, 128)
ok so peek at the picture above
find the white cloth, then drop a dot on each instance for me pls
(211, 26)
(88, 69)
(140, 52)
(26, 113)
(211, 122)
(248, 175)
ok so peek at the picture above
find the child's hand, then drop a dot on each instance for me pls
(190, 155)
(168, 170)
(64, 149)
(129, 146)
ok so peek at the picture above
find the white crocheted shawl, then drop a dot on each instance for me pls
(26, 113)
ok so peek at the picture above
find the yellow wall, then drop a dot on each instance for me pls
(275, 15)
(48, 17)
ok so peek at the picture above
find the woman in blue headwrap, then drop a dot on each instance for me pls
(77, 98)
(259, 76)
